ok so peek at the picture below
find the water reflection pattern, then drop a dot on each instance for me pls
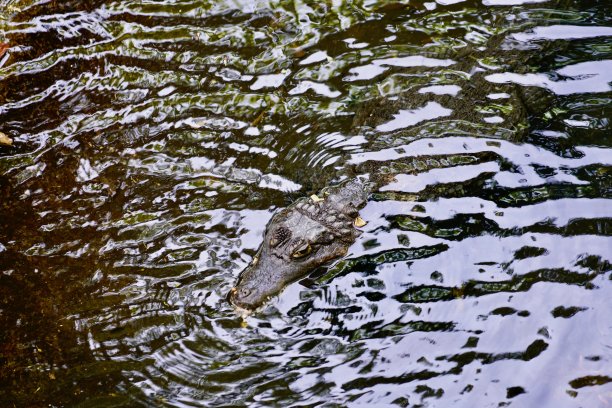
(153, 140)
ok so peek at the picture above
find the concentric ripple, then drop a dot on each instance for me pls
(152, 141)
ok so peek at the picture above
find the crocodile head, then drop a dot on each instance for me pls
(307, 234)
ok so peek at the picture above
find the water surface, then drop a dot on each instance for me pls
(153, 141)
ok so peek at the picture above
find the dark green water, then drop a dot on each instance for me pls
(153, 141)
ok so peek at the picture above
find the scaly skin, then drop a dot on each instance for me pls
(309, 233)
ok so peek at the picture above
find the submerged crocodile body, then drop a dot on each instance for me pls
(307, 234)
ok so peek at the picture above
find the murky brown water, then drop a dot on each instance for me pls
(153, 140)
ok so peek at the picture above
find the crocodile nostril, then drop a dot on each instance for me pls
(244, 292)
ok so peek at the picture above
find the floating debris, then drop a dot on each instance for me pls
(258, 118)
(3, 48)
(4, 139)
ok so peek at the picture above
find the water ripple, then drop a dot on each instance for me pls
(154, 140)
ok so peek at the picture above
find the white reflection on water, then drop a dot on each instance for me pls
(563, 32)
(524, 154)
(584, 77)
(321, 89)
(268, 81)
(413, 183)
(452, 90)
(410, 117)
(379, 66)
(511, 2)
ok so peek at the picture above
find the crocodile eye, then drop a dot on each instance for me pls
(302, 251)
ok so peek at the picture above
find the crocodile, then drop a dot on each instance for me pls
(309, 233)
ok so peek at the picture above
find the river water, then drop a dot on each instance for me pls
(153, 140)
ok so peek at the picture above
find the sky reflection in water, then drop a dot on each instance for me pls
(153, 141)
